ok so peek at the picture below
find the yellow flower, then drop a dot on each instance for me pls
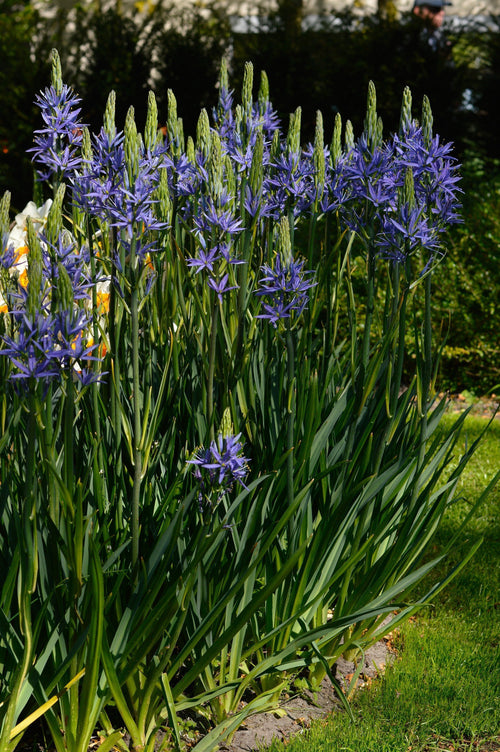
(102, 302)
(23, 278)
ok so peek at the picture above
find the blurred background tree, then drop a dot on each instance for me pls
(24, 47)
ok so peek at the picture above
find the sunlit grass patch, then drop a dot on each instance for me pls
(442, 693)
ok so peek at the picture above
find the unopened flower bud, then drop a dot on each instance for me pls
(54, 218)
(203, 138)
(64, 289)
(151, 128)
(109, 116)
(263, 96)
(319, 157)
(293, 137)
(257, 167)
(35, 269)
(131, 146)
(247, 89)
(427, 121)
(56, 73)
(336, 145)
(405, 118)
(349, 136)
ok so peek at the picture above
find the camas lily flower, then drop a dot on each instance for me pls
(219, 467)
(57, 145)
(285, 287)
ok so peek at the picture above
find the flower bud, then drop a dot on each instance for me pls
(223, 76)
(336, 145)
(263, 97)
(131, 146)
(371, 131)
(109, 116)
(203, 138)
(164, 205)
(427, 121)
(247, 89)
(408, 190)
(54, 218)
(173, 135)
(293, 137)
(4, 220)
(190, 150)
(284, 242)
(349, 136)
(405, 118)
(230, 180)
(35, 269)
(226, 426)
(215, 165)
(64, 289)
(319, 157)
(86, 145)
(56, 73)
(151, 128)
(257, 167)
(275, 150)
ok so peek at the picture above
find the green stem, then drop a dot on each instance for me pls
(425, 375)
(48, 448)
(427, 369)
(370, 303)
(96, 424)
(27, 579)
(211, 370)
(114, 341)
(136, 403)
(290, 411)
(69, 409)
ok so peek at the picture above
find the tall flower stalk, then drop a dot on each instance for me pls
(284, 289)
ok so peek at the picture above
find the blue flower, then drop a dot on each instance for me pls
(47, 344)
(286, 287)
(57, 145)
(205, 260)
(221, 286)
(221, 465)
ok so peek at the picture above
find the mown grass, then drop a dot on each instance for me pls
(442, 692)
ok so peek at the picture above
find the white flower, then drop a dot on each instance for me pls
(18, 236)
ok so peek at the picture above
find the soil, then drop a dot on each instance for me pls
(484, 407)
(296, 713)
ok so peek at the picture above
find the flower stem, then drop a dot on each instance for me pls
(211, 369)
(28, 567)
(136, 401)
(290, 411)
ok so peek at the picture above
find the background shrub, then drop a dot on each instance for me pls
(24, 70)
(329, 67)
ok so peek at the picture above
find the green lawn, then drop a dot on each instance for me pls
(442, 693)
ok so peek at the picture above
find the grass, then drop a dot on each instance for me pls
(442, 691)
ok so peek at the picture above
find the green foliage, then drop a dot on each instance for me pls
(467, 292)
(125, 594)
(442, 690)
